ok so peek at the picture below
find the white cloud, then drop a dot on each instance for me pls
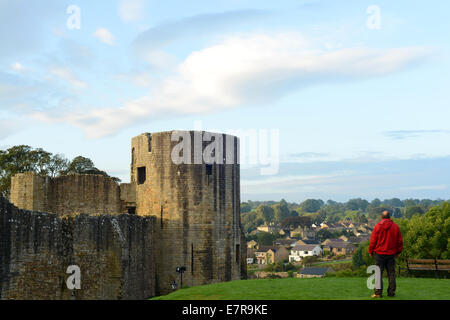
(104, 35)
(67, 75)
(17, 67)
(130, 10)
(244, 70)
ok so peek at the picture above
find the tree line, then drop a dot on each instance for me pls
(256, 213)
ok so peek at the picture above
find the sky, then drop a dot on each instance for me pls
(349, 98)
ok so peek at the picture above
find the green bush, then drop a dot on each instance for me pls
(280, 267)
(361, 256)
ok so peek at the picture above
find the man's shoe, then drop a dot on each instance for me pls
(375, 296)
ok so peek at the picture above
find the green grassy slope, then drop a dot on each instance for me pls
(312, 289)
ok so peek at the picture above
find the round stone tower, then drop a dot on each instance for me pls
(189, 180)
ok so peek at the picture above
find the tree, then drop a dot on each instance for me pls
(19, 159)
(57, 165)
(245, 207)
(427, 236)
(357, 204)
(331, 202)
(311, 205)
(411, 211)
(250, 221)
(266, 239)
(295, 222)
(293, 213)
(266, 213)
(394, 202)
(376, 212)
(281, 211)
(361, 256)
(80, 165)
(375, 202)
(361, 218)
(323, 234)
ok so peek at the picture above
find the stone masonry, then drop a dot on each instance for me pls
(178, 214)
(197, 207)
(114, 254)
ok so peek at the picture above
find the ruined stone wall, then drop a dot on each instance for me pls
(114, 253)
(28, 191)
(66, 195)
(198, 212)
(127, 196)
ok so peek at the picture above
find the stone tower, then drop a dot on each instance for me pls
(189, 181)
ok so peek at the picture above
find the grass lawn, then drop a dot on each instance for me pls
(312, 289)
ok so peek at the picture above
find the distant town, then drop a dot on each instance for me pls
(317, 238)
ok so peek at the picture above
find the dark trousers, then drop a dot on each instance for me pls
(386, 262)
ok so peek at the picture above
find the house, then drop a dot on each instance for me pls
(310, 272)
(304, 232)
(362, 238)
(343, 248)
(336, 228)
(271, 254)
(268, 228)
(324, 225)
(328, 241)
(250, 256)
(347, 224)
(343, 238)
(252, 244)
(362, 230)
(285, 242)
(300, 251)
(307, 241)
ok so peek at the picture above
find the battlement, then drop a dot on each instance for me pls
(67, 195)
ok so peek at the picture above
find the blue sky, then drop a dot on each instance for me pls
(361, 112)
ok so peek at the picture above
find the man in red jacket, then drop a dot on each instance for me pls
(386, 242)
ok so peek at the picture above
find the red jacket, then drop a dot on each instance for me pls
(386, 238)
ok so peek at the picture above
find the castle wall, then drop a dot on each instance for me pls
(127, 196)
(114, 254)
(198, 212)
(194, 209)
(66, 195)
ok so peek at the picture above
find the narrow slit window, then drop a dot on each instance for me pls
(209, 169)
(238, 250)
(162, 211)
(142, 175)
(149, 141)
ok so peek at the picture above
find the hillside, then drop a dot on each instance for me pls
(312, 289)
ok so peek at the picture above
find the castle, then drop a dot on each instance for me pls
(180, 209)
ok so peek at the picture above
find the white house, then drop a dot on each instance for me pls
(300, 251)
(249, 260)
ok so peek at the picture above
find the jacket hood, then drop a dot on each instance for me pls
(386, 224)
